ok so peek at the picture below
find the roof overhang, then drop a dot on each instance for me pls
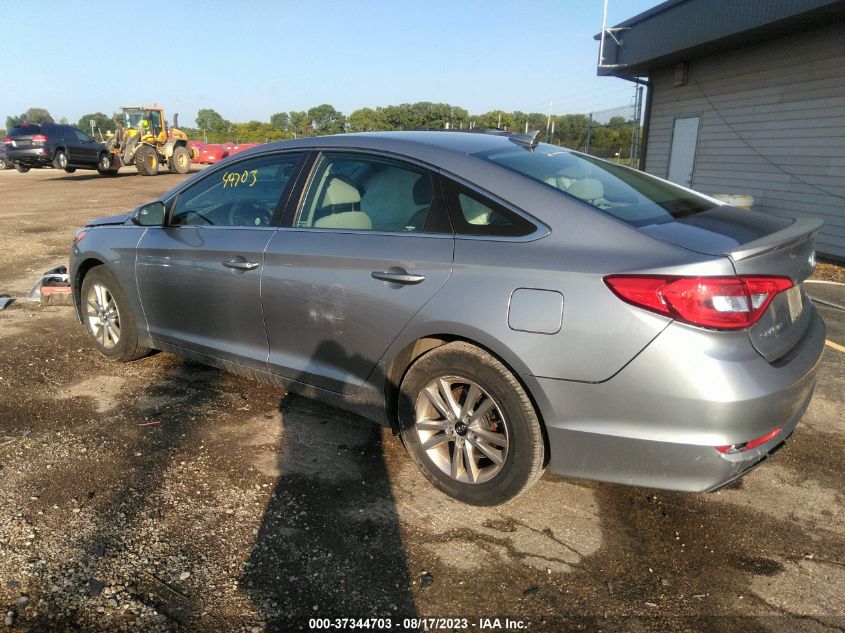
(681, 30)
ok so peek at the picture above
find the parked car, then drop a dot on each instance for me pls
(5, 163)
(507, 306)
(53, 145)
(212, 153)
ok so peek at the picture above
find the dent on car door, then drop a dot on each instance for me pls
(369, 245)
(199, 277)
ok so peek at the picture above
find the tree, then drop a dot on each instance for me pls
(209, 120)
(280, 121)
(35, 116)
(101, 121)
(326, 120)
(300, 124)
(365, 120)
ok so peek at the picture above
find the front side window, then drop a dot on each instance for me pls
(624, 193)
(367, 193)
(246, 193)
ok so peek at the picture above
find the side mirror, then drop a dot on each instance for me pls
(151, 214)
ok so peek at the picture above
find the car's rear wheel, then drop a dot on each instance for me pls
(146, 160)
(60, 160)
(469, 425)
(4, 164)
(108, 318)
(21, 168)
(180, 161)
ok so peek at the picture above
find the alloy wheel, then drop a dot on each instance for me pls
(462, 430)
(103, 316)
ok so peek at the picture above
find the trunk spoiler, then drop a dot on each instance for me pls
(797, 232)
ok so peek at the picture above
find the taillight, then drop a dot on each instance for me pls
(7, 140)
(39, 138)
(721, 303)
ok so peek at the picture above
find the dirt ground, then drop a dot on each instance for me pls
(163, 495)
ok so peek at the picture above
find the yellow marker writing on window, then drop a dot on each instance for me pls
(235, 179)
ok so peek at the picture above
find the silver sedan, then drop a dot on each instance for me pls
(507, 306)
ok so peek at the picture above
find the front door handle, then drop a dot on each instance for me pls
(240, 264)
(398, 278)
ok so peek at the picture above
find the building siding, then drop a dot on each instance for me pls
(786, 98)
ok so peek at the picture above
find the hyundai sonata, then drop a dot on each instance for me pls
(507, 306)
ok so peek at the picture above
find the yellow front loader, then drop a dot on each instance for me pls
(144, 139)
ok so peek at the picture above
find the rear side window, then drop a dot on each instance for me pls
(369, 193)
(475, 214)
(24, 130)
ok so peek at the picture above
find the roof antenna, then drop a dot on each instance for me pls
(526, 140)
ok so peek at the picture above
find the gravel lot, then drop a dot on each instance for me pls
(165, 495)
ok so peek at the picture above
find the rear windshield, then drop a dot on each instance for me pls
(25, 130)
(624, 193)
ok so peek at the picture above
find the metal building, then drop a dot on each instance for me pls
(745, 97)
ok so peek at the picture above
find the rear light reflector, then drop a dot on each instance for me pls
(720, 303)
(39, 138)
(747, 446)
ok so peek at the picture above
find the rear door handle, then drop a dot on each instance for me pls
(240, 264)
(398, 278)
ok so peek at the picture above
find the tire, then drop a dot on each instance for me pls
(4, 164)
(104, 165)
(60, 160)
(21, 168)
(180, 161)
(70, 170)
(102, 297)
(510, 426)
(146, 160)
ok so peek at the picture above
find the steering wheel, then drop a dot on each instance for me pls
(249, 213)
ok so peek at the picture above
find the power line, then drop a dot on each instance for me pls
(756, 151)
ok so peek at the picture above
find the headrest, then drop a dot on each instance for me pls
(340, 191)
(586, 189)
(423, 191)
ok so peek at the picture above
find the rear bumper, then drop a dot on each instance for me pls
(31, 157)
(658, 421)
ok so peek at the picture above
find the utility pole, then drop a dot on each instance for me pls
(499, 125)
(589, 134)
(549, 120)
(526, 126)
(552, 138)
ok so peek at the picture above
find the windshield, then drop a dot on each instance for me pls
(624, 193)
(133, 117)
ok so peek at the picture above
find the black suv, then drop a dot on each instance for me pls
(53, 145)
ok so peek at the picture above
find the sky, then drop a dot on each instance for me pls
(250, 59)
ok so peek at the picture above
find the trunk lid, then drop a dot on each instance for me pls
(756, 244)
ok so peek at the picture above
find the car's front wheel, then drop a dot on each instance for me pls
(469, 425)
(4, 164)
(108, 318)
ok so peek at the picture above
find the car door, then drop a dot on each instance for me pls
(368, 246)
(81, 148)
(199, 276)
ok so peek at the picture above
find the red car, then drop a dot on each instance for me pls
(212, 153)
(239, 148)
